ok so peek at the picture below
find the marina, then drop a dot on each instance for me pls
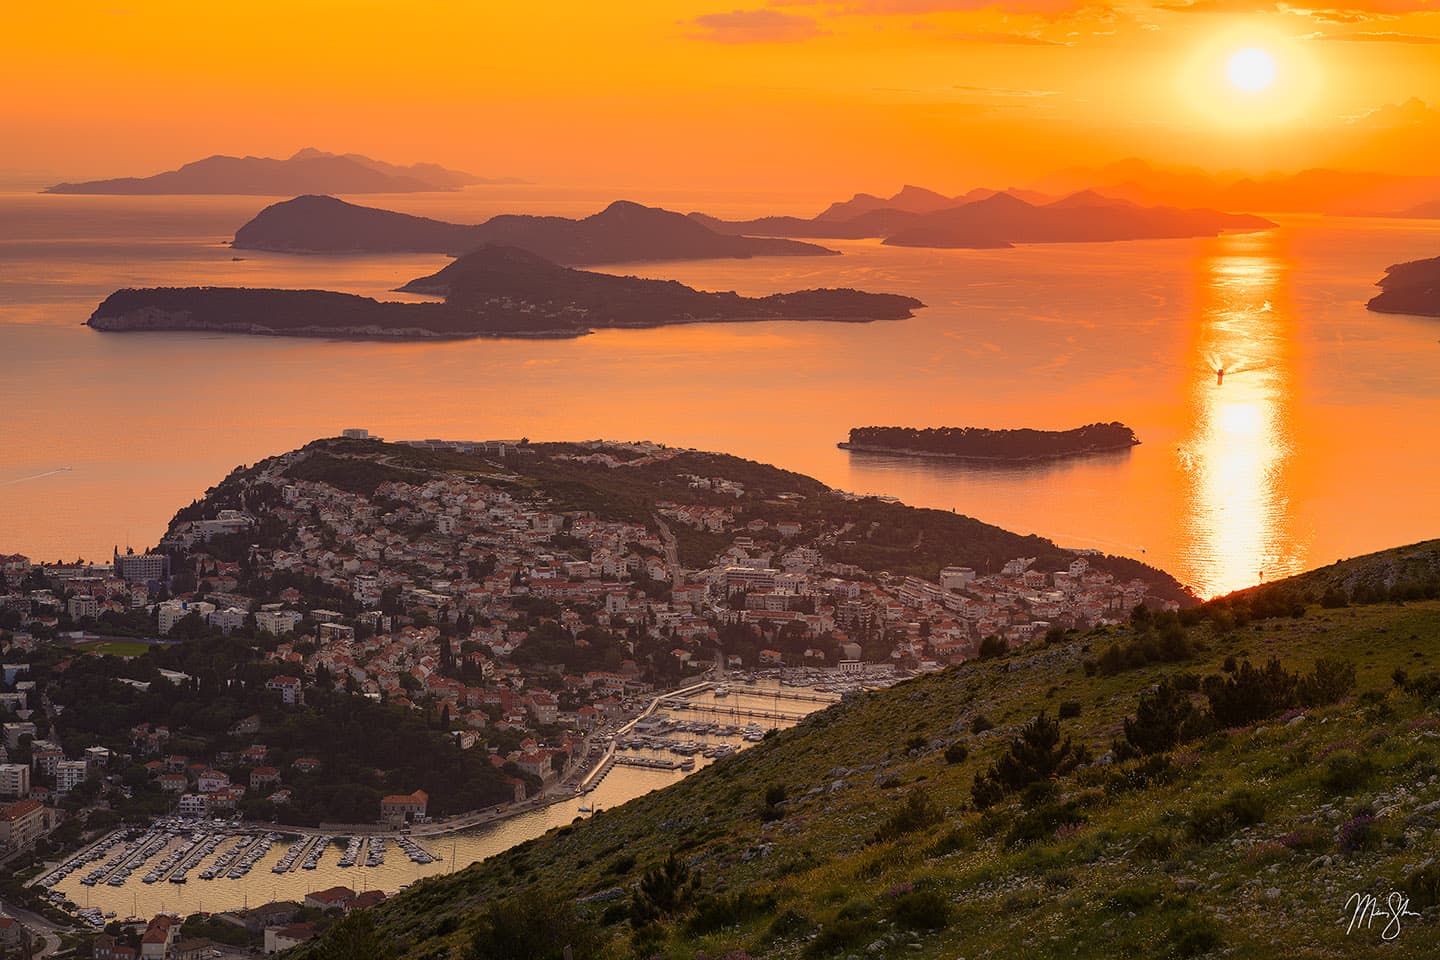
(182, 865)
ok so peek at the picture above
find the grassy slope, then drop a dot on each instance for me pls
(848, 769)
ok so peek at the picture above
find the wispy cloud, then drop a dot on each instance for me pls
(1021, 39)
(754, 26)
(1383, 37)
(1007, 92)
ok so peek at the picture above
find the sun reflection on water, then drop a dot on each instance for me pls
(1238, 451)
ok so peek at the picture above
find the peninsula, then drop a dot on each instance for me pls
(624, 232)
(1412, 288)
(492, 292)
(978, 443)
(308, 171)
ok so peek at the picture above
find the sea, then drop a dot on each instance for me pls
(1319, 442)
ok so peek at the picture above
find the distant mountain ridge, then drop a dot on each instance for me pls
(494, 291)
(307, 171)
(623, 232)
(916, 217)
(1334, 192)
(1412, 288)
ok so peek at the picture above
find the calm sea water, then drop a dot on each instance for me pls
(1320, 443)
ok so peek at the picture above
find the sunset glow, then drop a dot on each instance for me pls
(521, 90)
(1252, 70)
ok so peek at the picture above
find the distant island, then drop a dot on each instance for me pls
(624, 232)
(1412, 288)
(308, 171)
(492, 292)
(988, 219)
(978, 443)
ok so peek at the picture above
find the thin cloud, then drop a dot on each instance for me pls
(754, 26)
(1008, 92)
(1021, 39)
(1384, 37)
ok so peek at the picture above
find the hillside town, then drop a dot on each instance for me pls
(519, 629)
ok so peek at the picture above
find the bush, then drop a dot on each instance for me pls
(1193, 935)
(728, 910)
(1251, 695)
(1211, 822)
(992, 647)
(957, 753)
(1037, 755)
(1326, 683)
(1069, 710)
(924, 909)
(841, 936)
(1361, 832)
(534, 926)
(664, 890)
(1163, 717)
(980, 724)
(1422, 886)
(918, 811)
(1346, 772)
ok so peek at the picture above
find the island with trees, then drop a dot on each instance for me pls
(491, 292)
(979, 443)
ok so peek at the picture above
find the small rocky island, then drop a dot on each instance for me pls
(493, 292)
(1412, 288)
(1002, 446)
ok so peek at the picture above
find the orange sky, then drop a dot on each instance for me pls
(824, 96)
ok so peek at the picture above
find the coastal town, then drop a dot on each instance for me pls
(544, 640)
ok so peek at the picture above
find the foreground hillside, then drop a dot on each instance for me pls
(1195, 799)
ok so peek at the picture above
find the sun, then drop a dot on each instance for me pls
(1251, 70)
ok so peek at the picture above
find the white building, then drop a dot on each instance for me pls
(69, 774)
(194, 805)
(277, 622)
(14, 779)
(172, 612)
(83, 606)
(230, 619)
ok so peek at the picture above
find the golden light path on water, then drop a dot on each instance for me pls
(1237, 456)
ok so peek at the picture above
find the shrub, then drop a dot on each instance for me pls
(534, 926)
(728, 910)
(1422, 886)
(1326, 683)
(957, 752)
(1069, 710)
(1194, 935)
(918, 811)
(1346, 772)
(1251, 695)
(924, 909)
(981, 723)
(1163, 717)
(1361, 832)
(1307, 837)
(663, 891)
(992, 647)
(953, 841)
(1036, 756)
(1210, 822)
(841, 936)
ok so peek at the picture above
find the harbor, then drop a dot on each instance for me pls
(186, 866)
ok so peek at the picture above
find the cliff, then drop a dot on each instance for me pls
(623, 232)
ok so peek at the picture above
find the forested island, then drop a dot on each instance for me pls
(492, 292)
(979, 443)
(1412, 288)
